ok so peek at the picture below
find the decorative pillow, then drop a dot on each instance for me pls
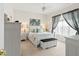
(36, 30)
(39, 30)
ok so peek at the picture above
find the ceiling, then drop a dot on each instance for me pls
(37, 7)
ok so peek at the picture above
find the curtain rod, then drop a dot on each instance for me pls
(66, 12)
(56, 15)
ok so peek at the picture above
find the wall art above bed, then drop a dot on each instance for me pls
(34, 22)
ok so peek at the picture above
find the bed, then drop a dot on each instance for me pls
(36, 37)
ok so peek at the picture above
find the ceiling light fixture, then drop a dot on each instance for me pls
(44, 7)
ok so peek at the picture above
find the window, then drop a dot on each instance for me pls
(64, 29)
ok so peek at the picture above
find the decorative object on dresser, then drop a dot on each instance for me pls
(17, 21)
(6, 18)
(48, 43)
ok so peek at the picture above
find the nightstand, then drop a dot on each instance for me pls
(24, 36)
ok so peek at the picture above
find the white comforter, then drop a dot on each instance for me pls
(36, 37)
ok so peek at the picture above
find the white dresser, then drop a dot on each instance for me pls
(72, 46)
(12, 38)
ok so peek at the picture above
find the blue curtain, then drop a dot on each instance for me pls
(72, 18)
(55, 21)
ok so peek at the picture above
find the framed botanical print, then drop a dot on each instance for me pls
(34, 22)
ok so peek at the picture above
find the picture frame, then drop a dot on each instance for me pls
(34, 22)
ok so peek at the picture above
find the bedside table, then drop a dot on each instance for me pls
(24, 36)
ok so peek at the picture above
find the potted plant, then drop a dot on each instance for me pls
(2, 52)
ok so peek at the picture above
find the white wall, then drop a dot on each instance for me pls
(25, 16)
(1, 27)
